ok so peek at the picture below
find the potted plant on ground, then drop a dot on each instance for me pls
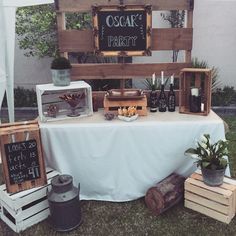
(210, 157)
(60, 68)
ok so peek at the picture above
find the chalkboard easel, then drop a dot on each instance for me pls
(21, 153)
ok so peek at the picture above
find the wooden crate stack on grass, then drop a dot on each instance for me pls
(26, 208)
(216, 202)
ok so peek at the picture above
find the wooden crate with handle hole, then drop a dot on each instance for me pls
(216, 202)
(26, 208)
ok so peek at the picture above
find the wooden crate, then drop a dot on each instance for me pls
(112, 106)
(24, 209)
(216, 202)
(48, 96)
(200, 78)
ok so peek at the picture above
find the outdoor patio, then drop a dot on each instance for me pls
(127, 98)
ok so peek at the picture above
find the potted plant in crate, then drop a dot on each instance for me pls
(210, 157)
(60, 68)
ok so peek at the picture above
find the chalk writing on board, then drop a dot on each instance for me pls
(122, 30)
(22, 161)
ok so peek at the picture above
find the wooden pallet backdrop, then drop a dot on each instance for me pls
(162, 39)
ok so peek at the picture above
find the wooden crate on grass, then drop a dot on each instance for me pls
(26, 208)
(216, 202)
(112, 106)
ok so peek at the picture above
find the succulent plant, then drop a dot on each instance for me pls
(60, 63)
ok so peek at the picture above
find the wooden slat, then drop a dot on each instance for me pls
(61, 25)
(115, 71)
(206, 211)
(172, 39)
(188, 53)
(225, 209)
(216, 189)
(162, 39)
(82, 5)
(206, 193)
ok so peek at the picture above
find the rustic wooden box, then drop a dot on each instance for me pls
(216, 202)
(48, 96)
(23, 165)
(112, 106)
(24, 209)
(195, 77)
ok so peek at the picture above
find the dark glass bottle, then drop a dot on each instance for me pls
(153, 100)
(171, 99)
(162, 99)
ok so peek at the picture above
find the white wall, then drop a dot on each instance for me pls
(215, 36)
(30, 71)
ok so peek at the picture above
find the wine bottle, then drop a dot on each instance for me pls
(162, 96)
(153, 96)
(171, 96)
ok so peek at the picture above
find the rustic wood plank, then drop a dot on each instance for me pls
(162, 39)
(225, 209)
(61, 25)
(83, 6)
(216, 189)
(206, 193)
(188, 53)
(206, 211)
(123, 71)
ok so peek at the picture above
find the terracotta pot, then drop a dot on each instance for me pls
(213, 177)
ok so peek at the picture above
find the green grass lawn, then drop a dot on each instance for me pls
(133, 218)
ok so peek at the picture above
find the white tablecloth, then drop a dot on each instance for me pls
(118, 160)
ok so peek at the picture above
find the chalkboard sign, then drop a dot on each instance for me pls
(22, 161)
(122, 30)
(21, 153)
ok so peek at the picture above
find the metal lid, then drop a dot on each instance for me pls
(62, 183)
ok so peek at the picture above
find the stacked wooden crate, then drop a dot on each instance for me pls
(216, 202)
(26, 208)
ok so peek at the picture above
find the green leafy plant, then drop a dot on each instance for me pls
(60, 63)
(196, 63)
(176, 20)
(210, 155)
(23, 98)
(224, 97)
(36, 28)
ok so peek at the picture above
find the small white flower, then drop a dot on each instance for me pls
(203, 139)
(194, 156)
(204, 145)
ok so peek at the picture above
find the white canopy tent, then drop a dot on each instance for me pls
(7, 47)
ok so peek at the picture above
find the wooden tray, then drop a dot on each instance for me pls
(126, 94)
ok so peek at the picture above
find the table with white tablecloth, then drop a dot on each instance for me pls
(117, 160)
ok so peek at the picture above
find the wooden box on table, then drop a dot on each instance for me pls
(199, 78)
(53, 107)
(216, 202)
(117, 98)
(26, 208)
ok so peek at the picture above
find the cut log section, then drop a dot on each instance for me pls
(165, 194)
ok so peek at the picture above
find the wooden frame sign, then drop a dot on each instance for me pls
(21, 154)
(122, 30)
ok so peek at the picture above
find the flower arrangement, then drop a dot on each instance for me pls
(210, 155)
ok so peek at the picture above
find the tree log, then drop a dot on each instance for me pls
(165, 194)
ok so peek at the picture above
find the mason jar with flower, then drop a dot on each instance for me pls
(211, 157)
